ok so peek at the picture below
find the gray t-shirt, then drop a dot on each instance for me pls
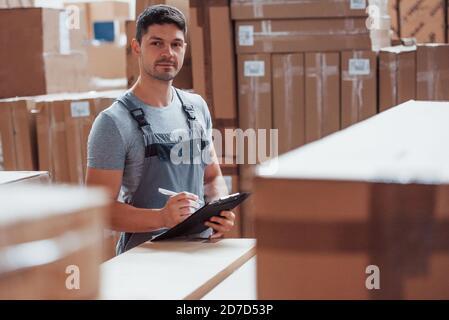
(116, 142)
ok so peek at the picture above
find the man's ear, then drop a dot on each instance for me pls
(135, 46)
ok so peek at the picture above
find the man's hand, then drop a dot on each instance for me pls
(178, 208)
(221, 225)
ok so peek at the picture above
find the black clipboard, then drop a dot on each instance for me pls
(194, 224)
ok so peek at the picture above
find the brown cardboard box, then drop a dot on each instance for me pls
(24, 177)
(213, 57)
(423, 20)
(39, 40)
(387, 220)
(80, 32)
(255, 112)
(432, 72)
(107, 60)
(397, 76)
(281, 9)
(322, 94)
(289, 100)
(358, 86)
(109, 10)
(393, 10)
(17, 135)
(63, 125)
(64, 225)
(305, 35)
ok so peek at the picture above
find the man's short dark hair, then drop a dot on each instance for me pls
(159, 14)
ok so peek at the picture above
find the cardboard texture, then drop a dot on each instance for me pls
(213, 58)
(17, 135)
(393, 11)
(281, 9)
(322, 94)
(63, 125)
(304, 35)
(255, 112)
(423, 20)
(397, 76)
(432, 72)
(358, 86)
(107, 60)
(356, 210)
(42, 41)
(289, 100)
(71, 221)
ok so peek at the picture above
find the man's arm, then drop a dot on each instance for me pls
(126, 218)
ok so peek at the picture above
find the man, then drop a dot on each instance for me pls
(141, 142)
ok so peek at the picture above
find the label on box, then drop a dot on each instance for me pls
(80, 109)
(246, 35)
(64, 34)
(254, 69)
(358, 4)
(359, 67)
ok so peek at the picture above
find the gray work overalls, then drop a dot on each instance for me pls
(159, 171)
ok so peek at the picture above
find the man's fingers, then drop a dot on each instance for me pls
(228, 214)
(187, 203)
(223, 221)
(185, 196)
(216, 235)
(217, 227)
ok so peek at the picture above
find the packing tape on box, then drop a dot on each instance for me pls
(321, 72)
(358, 78)
(288, 72)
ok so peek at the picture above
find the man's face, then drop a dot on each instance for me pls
(161, 52)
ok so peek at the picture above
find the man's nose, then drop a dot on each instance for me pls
(168, 51)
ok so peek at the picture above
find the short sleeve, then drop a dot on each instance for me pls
(105, 147)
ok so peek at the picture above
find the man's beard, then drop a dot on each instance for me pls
(163, 76)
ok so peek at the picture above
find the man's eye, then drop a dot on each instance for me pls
(177, 45)
(156, 43)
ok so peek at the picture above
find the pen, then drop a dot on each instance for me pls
(172, 193)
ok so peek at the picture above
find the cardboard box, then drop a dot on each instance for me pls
(17, 135)
(288, 80)
(109, 10)
(358, 86)
(305, 35)
(397, 76)
(106, 60)
(66, 219)
(358, 214)
(213, 58)
(322, 94)
(393, 11)
(39, 40)
(280, 9)
(423, 20)
(24, 177)
(63, 124)
(432, 72)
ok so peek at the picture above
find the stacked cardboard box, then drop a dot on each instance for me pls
(345, 213)
(50, 132)
(293, 74)
(432, 67)
(38, 59)
(397, 76)
(51, 245)
(424, 20)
